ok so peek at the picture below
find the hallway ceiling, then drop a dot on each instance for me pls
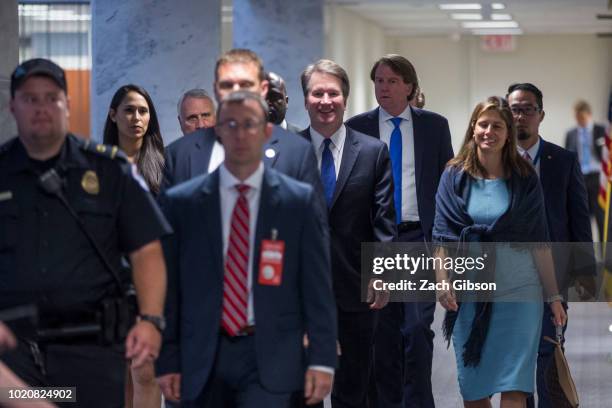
(424, 17)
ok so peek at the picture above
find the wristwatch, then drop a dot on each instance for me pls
(158, 321)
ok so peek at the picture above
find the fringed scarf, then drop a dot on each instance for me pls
(523, 221)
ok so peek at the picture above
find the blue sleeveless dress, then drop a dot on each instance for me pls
(509, 354)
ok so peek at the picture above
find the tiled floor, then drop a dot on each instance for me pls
(588, 350)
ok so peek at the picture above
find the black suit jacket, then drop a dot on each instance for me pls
(361, 211)
(432, 150)
(567, 213)
(572, 141)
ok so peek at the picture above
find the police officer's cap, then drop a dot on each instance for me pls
(37, 67)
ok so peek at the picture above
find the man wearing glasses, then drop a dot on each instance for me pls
(567, 212)
(249, 276)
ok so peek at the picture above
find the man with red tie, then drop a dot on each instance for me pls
(249, 275)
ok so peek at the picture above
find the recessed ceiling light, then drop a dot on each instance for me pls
(466, 16)
(489, 24)
(502, 31)
(500, 17)
(498, 6)
(460, 6)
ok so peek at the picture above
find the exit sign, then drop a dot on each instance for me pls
(498, 43)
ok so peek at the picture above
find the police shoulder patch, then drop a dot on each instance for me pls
(111, 152)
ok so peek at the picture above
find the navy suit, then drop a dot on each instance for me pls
(361, 210)
(402, 370)
(189, 156)
(432, 150)
(303, 303)
(572, 143)
(567, 215)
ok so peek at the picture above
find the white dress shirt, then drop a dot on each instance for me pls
(533, 152)
(336, 146)
(217, 155)
(410, 208)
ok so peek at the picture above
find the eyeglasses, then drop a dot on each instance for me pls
(249, 126)
(528, 110)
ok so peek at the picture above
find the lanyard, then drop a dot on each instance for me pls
(537, 156)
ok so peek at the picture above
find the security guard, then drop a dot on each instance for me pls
(60, 198)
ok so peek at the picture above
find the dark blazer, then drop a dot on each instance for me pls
(572, 141)
(303, 303)
(189, 156)
(567, 212)
(292, 128)
(432, 150)
(361, 211)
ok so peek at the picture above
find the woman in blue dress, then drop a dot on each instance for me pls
(488, 193)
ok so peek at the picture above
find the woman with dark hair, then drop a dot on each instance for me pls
(488, 193)
(132, 125)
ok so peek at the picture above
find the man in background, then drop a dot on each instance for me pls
(196, 110)
(420, 145)
(565, 198)
(278, 101)
(587, 140)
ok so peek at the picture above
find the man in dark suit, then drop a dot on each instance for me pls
(236, 321)
(587, 141)
(278, 101)
(356, 177)
(420, 146)
(567, 212)
(200, 152)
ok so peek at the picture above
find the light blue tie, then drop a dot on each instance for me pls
(585, 160)
(395, 147)
(328, 172)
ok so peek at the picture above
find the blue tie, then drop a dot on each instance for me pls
(585, 160)
(395, 147)
(328, 172)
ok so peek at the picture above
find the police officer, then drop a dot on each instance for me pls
(49, 258)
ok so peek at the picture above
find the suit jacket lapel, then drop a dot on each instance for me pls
(199, 157)
(371, 125)
(546, 168)
(268, 203)
(209, 207)
(272, 147)
(349, 157)
(418, 132)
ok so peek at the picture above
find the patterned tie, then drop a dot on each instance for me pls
(235, 280)
(527, 157)
(395, 147)
(328, 172)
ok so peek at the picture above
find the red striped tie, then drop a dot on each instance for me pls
(235, 281)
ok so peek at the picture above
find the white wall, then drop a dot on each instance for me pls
(456, 74)
(355, 43)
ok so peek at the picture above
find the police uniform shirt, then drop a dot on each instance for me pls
(45, 258)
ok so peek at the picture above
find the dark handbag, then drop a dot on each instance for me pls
(558, 378)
